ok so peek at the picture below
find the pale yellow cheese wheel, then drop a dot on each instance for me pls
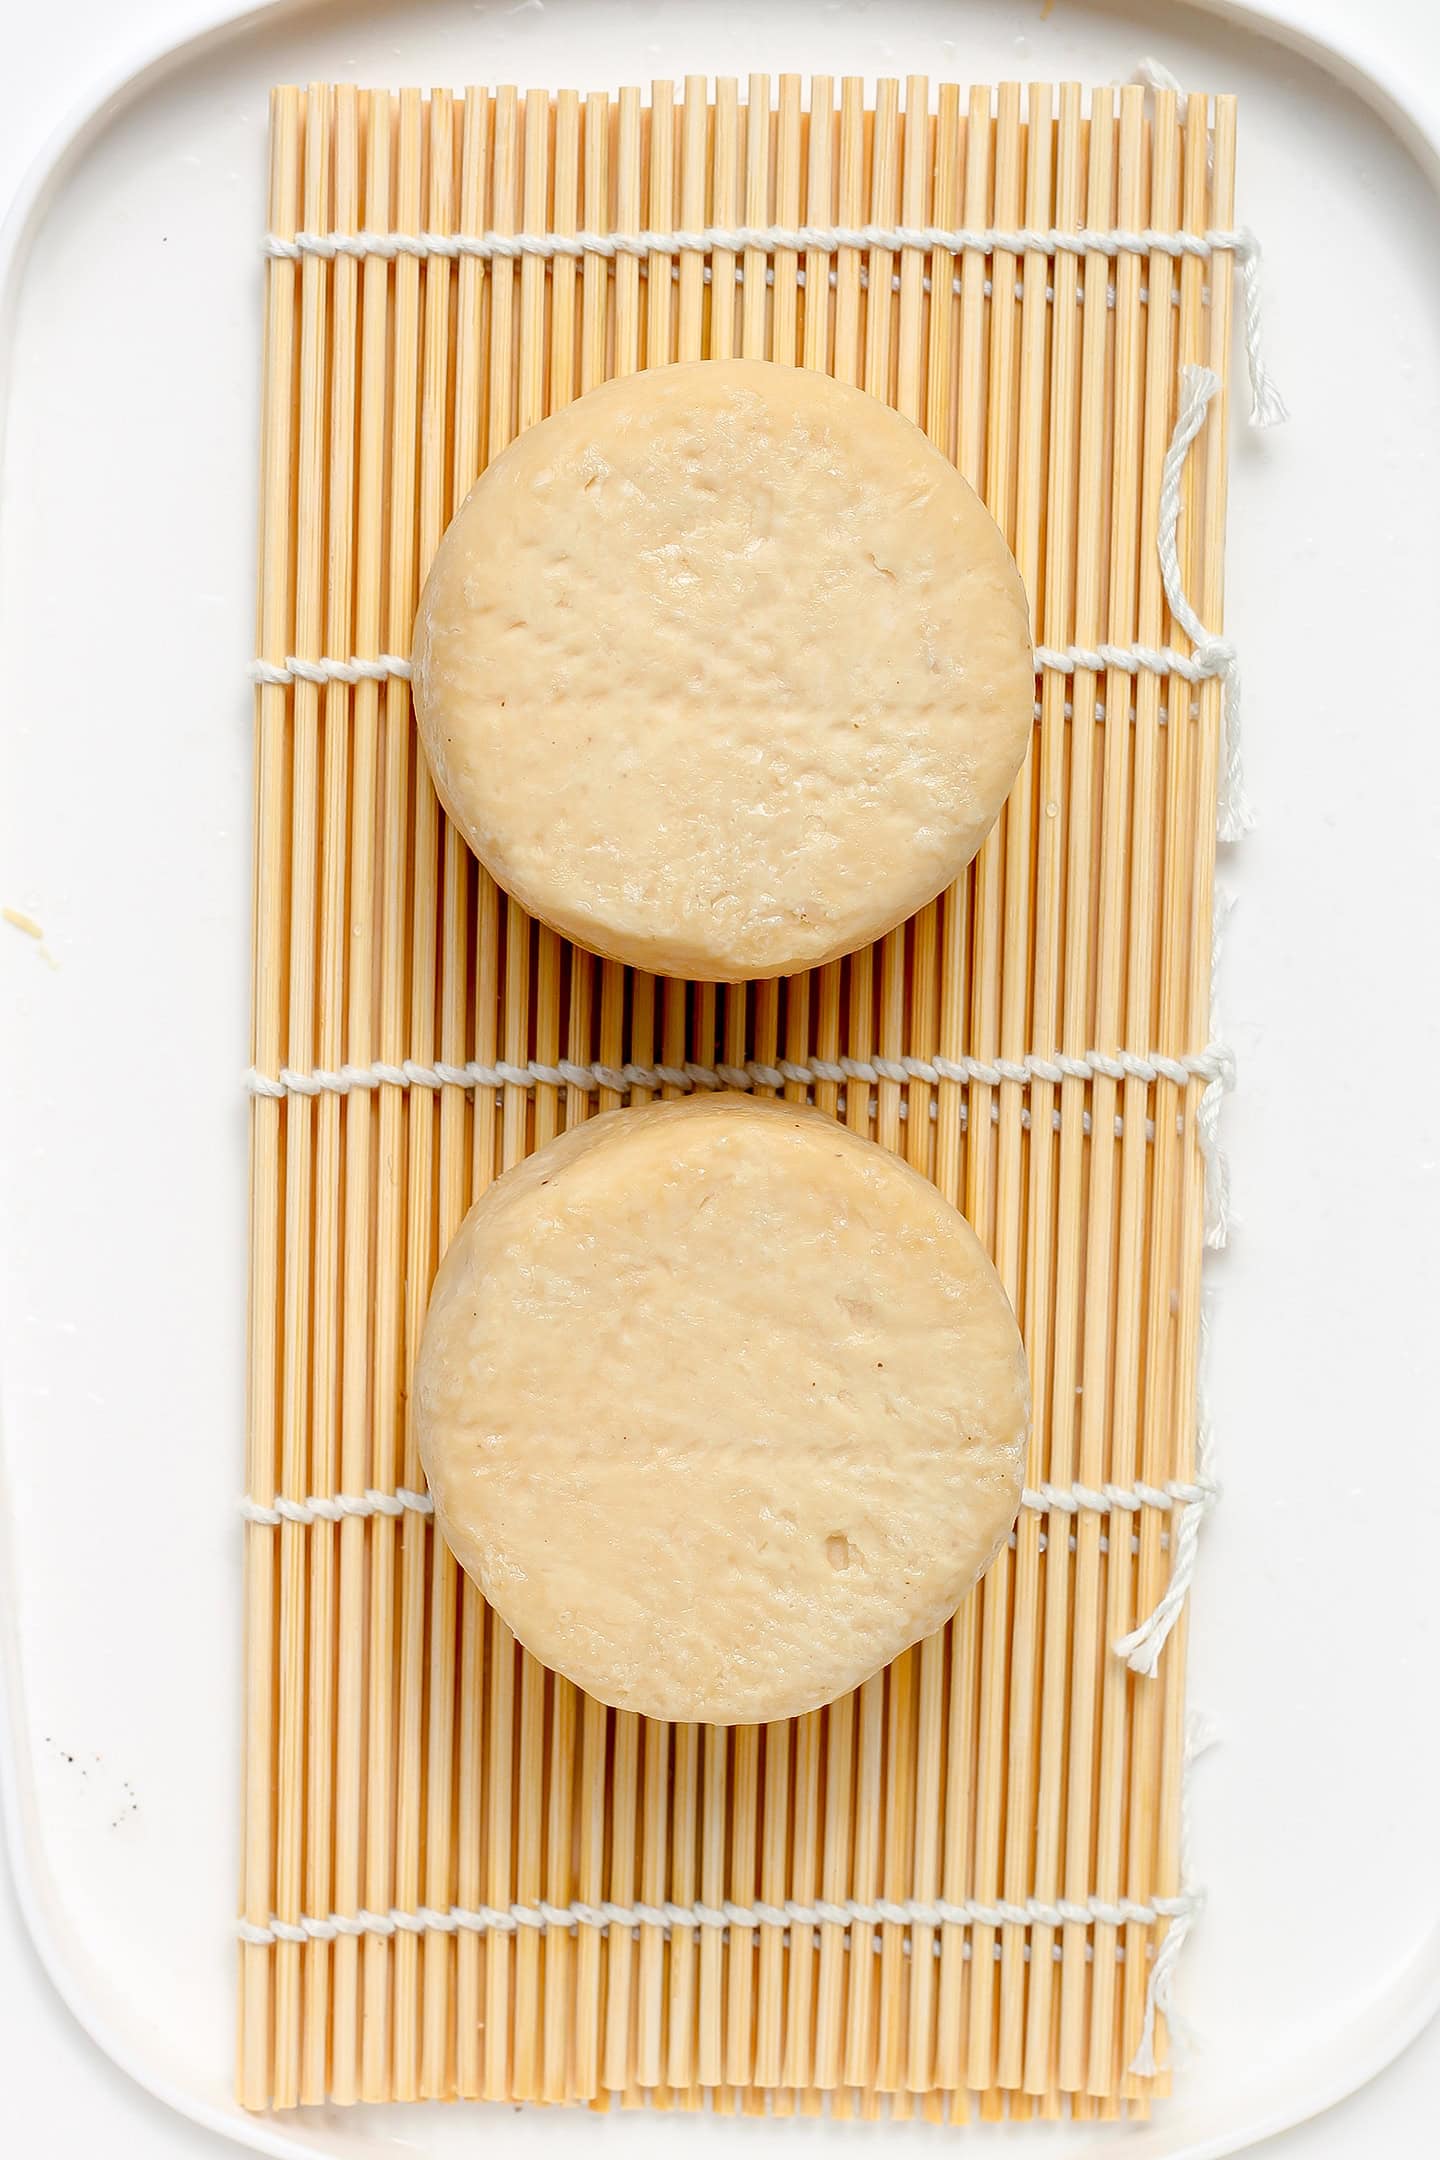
(722, 1406)
(724, 670)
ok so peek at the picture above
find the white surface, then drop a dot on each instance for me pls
(125, 832)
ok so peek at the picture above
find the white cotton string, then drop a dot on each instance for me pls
(336, 1507)
(1038, 1500)
(762, 240)
(1201, 1733)
(1060, 660)
(1267, 406)
(1141, 1648)
(1196, 667)
(846, 1913)
(1217, 1167)
(1214, 1064)
(1216, 655)
(1207, 1117)
(381, 669)
(1213, 1157)
(308, 1084)
(1157, 1992)
(1109, 1499)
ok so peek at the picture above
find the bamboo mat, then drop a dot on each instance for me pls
(403, 1760)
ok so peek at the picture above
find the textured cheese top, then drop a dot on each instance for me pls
(724, 670)
(721, 1406)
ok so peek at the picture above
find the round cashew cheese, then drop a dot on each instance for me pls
(723, 670)
(722, 1406)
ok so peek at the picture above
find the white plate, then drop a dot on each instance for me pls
(125, 621)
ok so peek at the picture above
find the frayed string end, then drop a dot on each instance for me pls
(1141, 1648)
(1198, 387)
(1207, 1118)
(1200, 1734)
(1267, 407)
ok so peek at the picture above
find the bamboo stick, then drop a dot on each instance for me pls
(957, 1145)
(845, 1962)
(590, 1884)
(544, 1115)
(1177, 1215)
(422, 1108)
(557, 2011)
(1049, 1315)
(502, 398)
(310, 447)
(1085, 1167)
(352, 716)
(582, 2079)
(402, 120)
(330, 1021)
(999, 955)
(1139, 1357)
(1109, 1261)
(622, 1888)
(473, 318)
(256, 2054)
(1025, 1157)
(726, 155)
(927, 151)
(1170, 1857)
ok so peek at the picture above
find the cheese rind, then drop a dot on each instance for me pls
(721, 1407)
(723, 670)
